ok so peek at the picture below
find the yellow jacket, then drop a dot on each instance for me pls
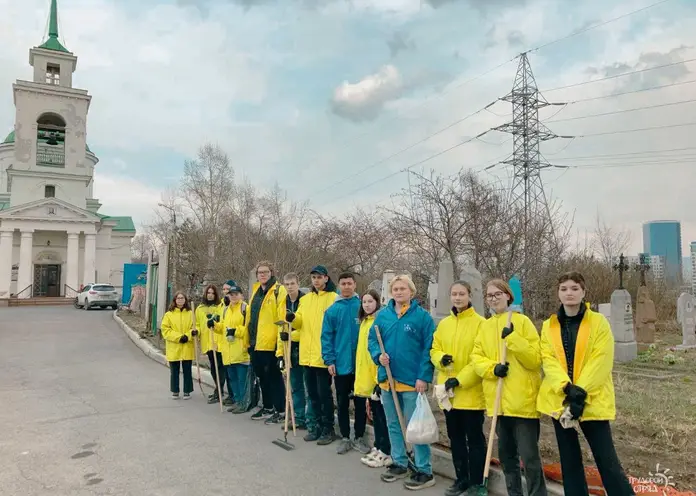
(593, 364)
(309, 319)
(455, 335)
(272, 311)
(177, 323)
(202, 312)
(365, 368)
(521, 386)
(235, 351)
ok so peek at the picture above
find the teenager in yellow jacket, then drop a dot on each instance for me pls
(577, 350)
(266, 307)
(177, 332)
(235, 348)
(518, 425)
(453, 343)
(210, 309)
(309, 320)
(366, 383)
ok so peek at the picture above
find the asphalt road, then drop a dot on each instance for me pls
(85, 412)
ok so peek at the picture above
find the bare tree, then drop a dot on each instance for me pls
(141, 246)
(609, 242)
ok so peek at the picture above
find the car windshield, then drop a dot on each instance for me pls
(103, 287)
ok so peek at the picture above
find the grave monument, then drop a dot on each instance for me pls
(621, 319)
(646, 316)
(471, 275)
(686, 315)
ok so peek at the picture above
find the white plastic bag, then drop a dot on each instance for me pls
(422, 428)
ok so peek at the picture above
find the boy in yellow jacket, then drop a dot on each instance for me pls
(235, 348)
(518, 425)
(453, 343)
(577, 351)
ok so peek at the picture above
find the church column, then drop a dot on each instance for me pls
(72, 264)
(5, 262)
(88, 274)
(24, 275)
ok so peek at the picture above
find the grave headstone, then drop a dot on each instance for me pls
(432, 295)
(471, 275)
(605, 309)
(376, 285)
(621, 320)
(646, 316)
(445, 278)
(387, 276)
(686, 312)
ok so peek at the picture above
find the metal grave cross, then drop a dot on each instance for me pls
(642, 267)
(621, 267)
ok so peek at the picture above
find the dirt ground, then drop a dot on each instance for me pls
(656, 410)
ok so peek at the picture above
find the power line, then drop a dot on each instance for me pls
(614, 76)
(409, 147)
(628, 154)
(653, 128)
(613, 95)
(633, 164)
(600, 24)
(647, 107)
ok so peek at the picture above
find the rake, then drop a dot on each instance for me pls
(289, 408)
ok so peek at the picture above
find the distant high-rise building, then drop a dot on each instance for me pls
(693, 268)
(663, 238)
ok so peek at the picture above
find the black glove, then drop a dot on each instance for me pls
(451, 383)
(217, 318)
(576, 409)
(377, 391)
(183, 339)
(209, 316)
(231, 331)
(289, 315)
(211, 323)
(446, 360)
(501, 370)
(281, 363)
(507, 330)
(575, 394)
(226, 299)
(284, 336)
(194, 332)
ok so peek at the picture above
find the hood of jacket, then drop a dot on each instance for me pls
(329, 288)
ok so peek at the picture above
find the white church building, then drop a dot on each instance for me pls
(53, 238)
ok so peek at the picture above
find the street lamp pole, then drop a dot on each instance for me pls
(172, 242)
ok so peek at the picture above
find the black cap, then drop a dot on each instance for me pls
(319, 269)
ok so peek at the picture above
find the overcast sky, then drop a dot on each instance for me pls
(310, 92)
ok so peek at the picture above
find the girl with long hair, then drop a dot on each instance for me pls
(177, 331)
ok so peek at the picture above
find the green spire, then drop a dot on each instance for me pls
(52, 42)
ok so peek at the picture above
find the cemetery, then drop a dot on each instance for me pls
(654, 371)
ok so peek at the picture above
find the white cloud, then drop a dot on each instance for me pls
(121, 195)
(363, 100)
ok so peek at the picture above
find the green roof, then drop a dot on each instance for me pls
(11, 139)
(124, 224)
(52, 42)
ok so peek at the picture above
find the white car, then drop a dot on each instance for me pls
(97, 295)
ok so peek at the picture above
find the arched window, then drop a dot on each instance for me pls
(50, 140)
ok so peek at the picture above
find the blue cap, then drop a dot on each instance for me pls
(319, 269)
(231, 283)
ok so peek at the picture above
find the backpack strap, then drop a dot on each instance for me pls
(244, 307)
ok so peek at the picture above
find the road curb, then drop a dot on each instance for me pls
(441, 460)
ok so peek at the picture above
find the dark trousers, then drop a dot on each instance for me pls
(344, 392)
(519, 437)
(319, 392)
(221, 369)
(266, 369)
(598, 435)
(379, 425)
(468, 445)
(174, 368)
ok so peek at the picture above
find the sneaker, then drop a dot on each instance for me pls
(187, 396)
(369, 457)
(262, 414)
(237, 409)
(361, 445)
(276, 418)
(394, 473)
(344, 446)
(419, 481)
(327, 438)
(213, 398)
(227, 401)
(175, 396)
(311, 436)
(379, 460)
(457, 489)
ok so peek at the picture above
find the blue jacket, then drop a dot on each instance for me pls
(407, 341)
(339, 334)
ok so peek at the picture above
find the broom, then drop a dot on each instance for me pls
(483, 489)
(397, 405)
(196, 349)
